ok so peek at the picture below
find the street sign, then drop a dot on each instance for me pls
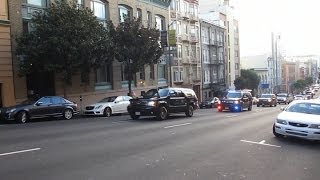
(164, 38)
(264, 86)
(172, 37)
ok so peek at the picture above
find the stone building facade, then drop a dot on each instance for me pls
(108, 80)
(6, 76)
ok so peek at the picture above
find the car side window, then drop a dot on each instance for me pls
(56, 100)
(119, 99)
(172, 93)
(180, 93)
(45, 100)
(126, 98)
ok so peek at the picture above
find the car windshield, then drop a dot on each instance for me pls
(155, 93)
(282, 95)
(307, 108)
(108, 99)
(234, 95)
(266, 95)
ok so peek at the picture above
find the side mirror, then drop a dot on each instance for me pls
(282, 108)
(39, 103)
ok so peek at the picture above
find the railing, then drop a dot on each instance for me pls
(194, 39)
(185, 37)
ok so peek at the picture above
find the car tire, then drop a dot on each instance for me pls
(275, 133)
(67, 114)
(189, 112)
(22, 117)
(275, 105)
(134, 117)
(107, 112)
(258, 105)
(162, 114)
(250, 108)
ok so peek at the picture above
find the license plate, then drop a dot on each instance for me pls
(226, 107)
(137, 113)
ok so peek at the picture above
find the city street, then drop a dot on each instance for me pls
(210, 145)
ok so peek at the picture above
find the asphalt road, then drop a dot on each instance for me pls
(210, 145)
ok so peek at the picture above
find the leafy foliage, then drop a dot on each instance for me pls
(248, 80)
(66, 39)
(309, 81)
(136, 46)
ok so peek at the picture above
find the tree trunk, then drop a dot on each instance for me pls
(129, 80)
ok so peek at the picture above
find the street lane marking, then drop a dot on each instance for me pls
(260, 143)
(177, 125)
(22, 151)
(232, 116)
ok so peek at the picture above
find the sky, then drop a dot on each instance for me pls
(298, 22)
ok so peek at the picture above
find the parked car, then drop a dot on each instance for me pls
(210, 103)
(236, 101)
(162, 102)
(267, 100)
(254, 100)
(299, 119)
(108, 106)
(47, 106)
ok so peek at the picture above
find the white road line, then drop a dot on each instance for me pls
(232, 116)
(22, 151)
(264, 144)
(177, 125)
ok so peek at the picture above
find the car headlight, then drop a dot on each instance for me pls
(151, 103)
(269, 100)
(236, 102)
(98, 107)
(11, 110)
(280, 121)
(315, 126)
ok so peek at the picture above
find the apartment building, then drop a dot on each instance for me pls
(223, 11)
(6, 75)
(213, 59)
(288, 75)
(186, 64)
(108, 80)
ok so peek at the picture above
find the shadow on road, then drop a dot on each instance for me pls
(298, 142)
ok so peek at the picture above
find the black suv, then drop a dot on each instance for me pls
(236, 101)
(162, 102)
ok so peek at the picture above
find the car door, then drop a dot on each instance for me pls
(41, 108)
(117, 105)
(176, 101)
(126, 103)
(57, 106)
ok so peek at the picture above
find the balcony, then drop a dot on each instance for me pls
(219, 43)
(174, 15)
(194, 39)
(184, 15)
(213, 42)
(185, 38)
(29, 10)
(186, 60)
(193, 18)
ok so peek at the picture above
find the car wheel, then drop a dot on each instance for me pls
(275, 105)
(271, 105)
(22, 117)
(68, 114)
(250, 108)
(258, 105)
(275, 133)
(163, 113)
(107, 112)
(133, 116)
(189, 112)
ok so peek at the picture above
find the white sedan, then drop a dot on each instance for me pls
(109, 106)
(300, 119)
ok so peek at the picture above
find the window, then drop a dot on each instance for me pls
(99, 10)
(149, 18)
(160, 25)
(124, 73)
(179, 28)
(236, 53)
(191, 9)
(213, 35)
(142, 73)
(179, 51)
(80, 2)
(42, 3)
(187, 51)
(178, 74)
(139, 13)
(57, 100)
(206, 76)
(185, 28)
(151, 71)
(45, 100)
(124, 13)
(193, 51)
(103, 74)
(161, 71)
(237, 66)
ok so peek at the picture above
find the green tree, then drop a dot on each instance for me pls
(136, 46)
(249, 79)
(299, 85)
(309, 81)
(65, 40)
